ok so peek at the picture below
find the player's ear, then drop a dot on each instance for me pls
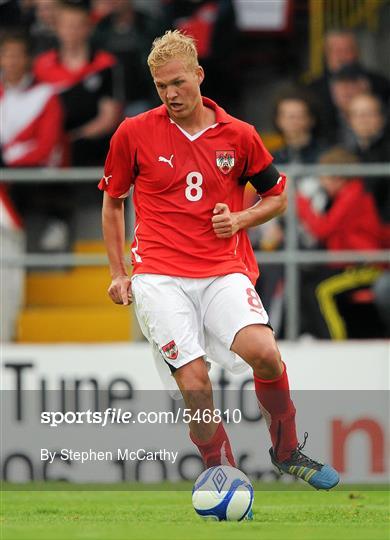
(200, 74)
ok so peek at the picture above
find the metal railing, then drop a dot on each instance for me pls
(291, 257)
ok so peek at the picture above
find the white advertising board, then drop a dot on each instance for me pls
(340, 391)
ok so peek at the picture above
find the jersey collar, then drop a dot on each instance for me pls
(221, 116)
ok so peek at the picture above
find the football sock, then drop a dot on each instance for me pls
(217, 450)
(275, 403)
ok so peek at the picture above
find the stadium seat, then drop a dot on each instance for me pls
(73, 306)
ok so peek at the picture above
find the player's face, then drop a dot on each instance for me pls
(179, 88)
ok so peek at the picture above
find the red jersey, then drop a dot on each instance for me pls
(49, 68)
(178, 179)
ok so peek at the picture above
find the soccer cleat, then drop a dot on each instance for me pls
(316, 474)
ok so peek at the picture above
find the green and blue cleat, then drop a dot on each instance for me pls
(317, 474)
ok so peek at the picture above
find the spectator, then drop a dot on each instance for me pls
(87, 82)
(295, 117)
(338, 300)
(297, 120)
(43, 28)
(31, 136)
(367, 120)
(213, 25)
(127, 33)
(341, 49)
(100, 9)
(371, 142)
(31, 114)
(345, 84)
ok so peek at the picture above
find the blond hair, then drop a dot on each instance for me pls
(173, 45)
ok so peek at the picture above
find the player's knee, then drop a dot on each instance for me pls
(266, 361)
(192, 379)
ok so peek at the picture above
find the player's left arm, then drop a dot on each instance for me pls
(270, 185)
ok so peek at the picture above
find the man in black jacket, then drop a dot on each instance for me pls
(340, 50)
(371, 142)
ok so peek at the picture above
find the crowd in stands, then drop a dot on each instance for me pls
(93, 55)
(71, 70)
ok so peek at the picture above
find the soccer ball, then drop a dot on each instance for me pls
(222, 493)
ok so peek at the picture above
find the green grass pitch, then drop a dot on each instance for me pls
(281, 513)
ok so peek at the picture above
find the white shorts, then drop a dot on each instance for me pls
(186, 318)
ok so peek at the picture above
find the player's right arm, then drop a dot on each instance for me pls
(114, 237)
(118, 178)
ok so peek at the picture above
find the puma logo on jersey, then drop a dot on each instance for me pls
(165, 160)
(107, 179)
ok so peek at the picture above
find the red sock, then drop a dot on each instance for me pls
(279, 412)
(217, 450)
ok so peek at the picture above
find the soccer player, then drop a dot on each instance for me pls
(193, 266)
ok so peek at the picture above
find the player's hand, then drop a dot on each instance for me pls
(225, 223)
(120, 290)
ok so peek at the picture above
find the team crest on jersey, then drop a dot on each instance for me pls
(170, 350)
(225, 160)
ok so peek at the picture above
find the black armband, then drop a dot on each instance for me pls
(265, 179)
